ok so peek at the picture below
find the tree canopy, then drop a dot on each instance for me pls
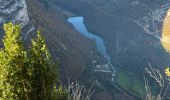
(27, 74)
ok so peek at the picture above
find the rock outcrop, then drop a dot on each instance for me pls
(16, 11)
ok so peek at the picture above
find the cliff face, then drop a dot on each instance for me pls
(15, 11)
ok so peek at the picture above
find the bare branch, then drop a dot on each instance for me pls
(155, 74)
(78, 91)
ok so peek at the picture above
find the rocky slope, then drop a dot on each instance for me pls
(15, 11)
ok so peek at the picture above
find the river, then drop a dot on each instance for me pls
(78, 23)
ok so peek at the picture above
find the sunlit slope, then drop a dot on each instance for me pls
(166, 32)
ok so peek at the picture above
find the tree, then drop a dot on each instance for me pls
(162, 80)
(44, 71)
(31, 74)
(14, 74)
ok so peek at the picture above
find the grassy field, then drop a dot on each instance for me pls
(132, 83)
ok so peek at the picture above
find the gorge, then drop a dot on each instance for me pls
(95, 42)
(78, 23)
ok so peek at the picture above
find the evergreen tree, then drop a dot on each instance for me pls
(45, 74)
(14, 74)
(27, 75)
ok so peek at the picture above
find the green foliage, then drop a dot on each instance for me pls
(133, 83)
(44, 71)
(29, 75)
(60, 94)
(14, 77)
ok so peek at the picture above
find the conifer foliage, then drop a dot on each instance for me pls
(44, 71)
(26, 74)
(14, 74)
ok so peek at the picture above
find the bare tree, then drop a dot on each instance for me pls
(78, 91)
(162, 80)
(152, 22)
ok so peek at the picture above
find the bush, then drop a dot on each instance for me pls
(27, 74)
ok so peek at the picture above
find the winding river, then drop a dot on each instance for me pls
(78, 24)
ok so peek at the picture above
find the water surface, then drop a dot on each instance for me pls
(78, 24)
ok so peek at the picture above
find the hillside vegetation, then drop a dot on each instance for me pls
(27, 74)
